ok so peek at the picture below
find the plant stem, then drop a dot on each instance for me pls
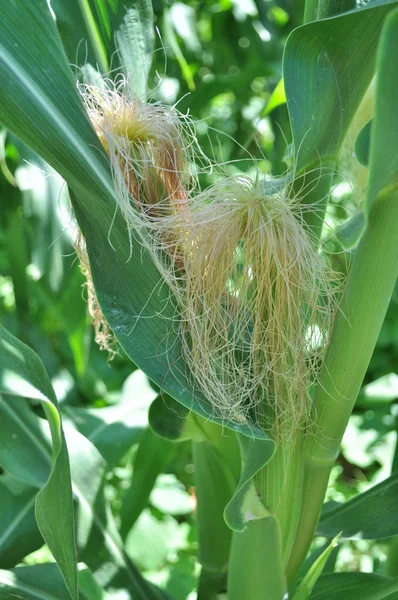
(368, 291)
(256, 569)
(278, 483)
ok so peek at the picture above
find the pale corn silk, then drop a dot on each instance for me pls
(256, 299)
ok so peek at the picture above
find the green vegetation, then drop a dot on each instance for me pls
(199, 315)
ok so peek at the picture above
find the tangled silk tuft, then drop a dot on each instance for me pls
(256, 300)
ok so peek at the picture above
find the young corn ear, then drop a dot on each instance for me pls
(255, 297)
(256, 301)
(148, 148)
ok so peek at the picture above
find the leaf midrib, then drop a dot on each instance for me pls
(17, 520)
(79, 145)
(43, 450)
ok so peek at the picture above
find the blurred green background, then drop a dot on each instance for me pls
(219, 62)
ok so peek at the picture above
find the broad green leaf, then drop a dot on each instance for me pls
(362, 144)
(383, 161)
(22, 372)
(135, 41)
(350, 586)
(308, 582)
(323, 91)
(19, 534)
(152, 457)
(321, 9)
(43, 108)
(46, 95)
(98, 540)
(44, 582)
(40, 582)
(22, 436)
(360, 517)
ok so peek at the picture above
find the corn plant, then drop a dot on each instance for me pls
(220, 285)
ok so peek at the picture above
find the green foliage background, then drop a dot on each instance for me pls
(221, 61)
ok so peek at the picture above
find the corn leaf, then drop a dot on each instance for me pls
(308, 582)
(39, 582)
(323, 92)
(354, 586)
(19, 423)
(19, 532)
(98, 540)
(360, 517)
(22, 372)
